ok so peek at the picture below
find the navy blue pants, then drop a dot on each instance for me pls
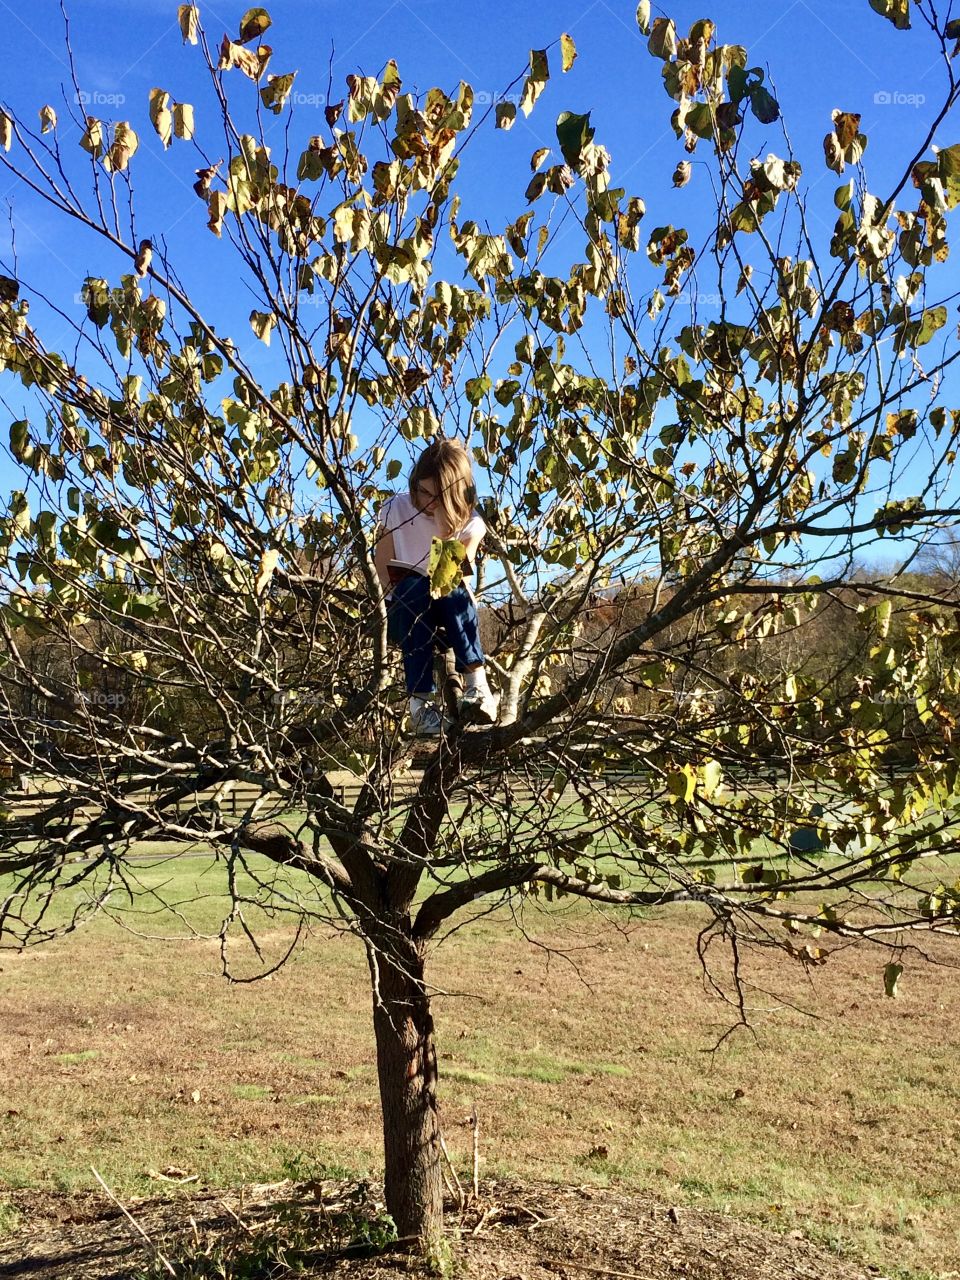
(415, 620)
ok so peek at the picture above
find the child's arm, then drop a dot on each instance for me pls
(471, 542)
(382, 555)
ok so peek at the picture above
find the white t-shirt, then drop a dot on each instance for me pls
(413, 530)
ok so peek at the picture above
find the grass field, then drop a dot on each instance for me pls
(583, 1040)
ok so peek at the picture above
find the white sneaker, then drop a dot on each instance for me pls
(426, 722)
(480, 705)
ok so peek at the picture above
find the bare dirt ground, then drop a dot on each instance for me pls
(514, 1232)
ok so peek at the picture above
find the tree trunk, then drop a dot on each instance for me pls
(407, 1071)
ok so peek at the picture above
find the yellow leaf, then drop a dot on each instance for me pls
(568, 52)
(160, 115)
(251, 64)
(92, 139)
(183, 120)
(125, 143)
(6, 131)
(711, 774)
(267, 565)
(48, 119)
(446, 565)
(682, 783)
(218, 207)
(188, 16)
(262, 323)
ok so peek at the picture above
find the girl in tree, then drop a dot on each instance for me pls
(439, 504)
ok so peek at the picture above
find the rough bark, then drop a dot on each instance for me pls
(407, 1071)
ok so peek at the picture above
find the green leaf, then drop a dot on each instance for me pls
(275, 92)
(663, 39)
(19, 438)
(895, 11)
(477, 388)
(96, 297)
(699, 120)
(933, 318)
(506, 114)
(741, 83)
(445, 566)
(764, 105)
(573, 134)
(891, 974)
(253, 24)
(394, 467)
(505, 391)
(536, 81)
(948, 170)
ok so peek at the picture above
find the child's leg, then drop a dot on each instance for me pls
(458, 613)
(411, 600)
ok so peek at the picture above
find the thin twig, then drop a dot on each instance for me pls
(453, 1186)
(599, 1271)
(475, 1118)
(237, 1219)
(135, 1224)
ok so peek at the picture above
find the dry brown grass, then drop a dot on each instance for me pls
(585, 1049)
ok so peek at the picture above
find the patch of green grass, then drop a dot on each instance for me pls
(252, 1092)
(308, 1099)
(298, 1060)
(533, 1064)
(9, 1218)
(71, 1059)
(464, 1076)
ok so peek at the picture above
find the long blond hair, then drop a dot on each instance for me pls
(447, 463)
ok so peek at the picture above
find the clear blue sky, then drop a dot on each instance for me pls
(819, 55)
